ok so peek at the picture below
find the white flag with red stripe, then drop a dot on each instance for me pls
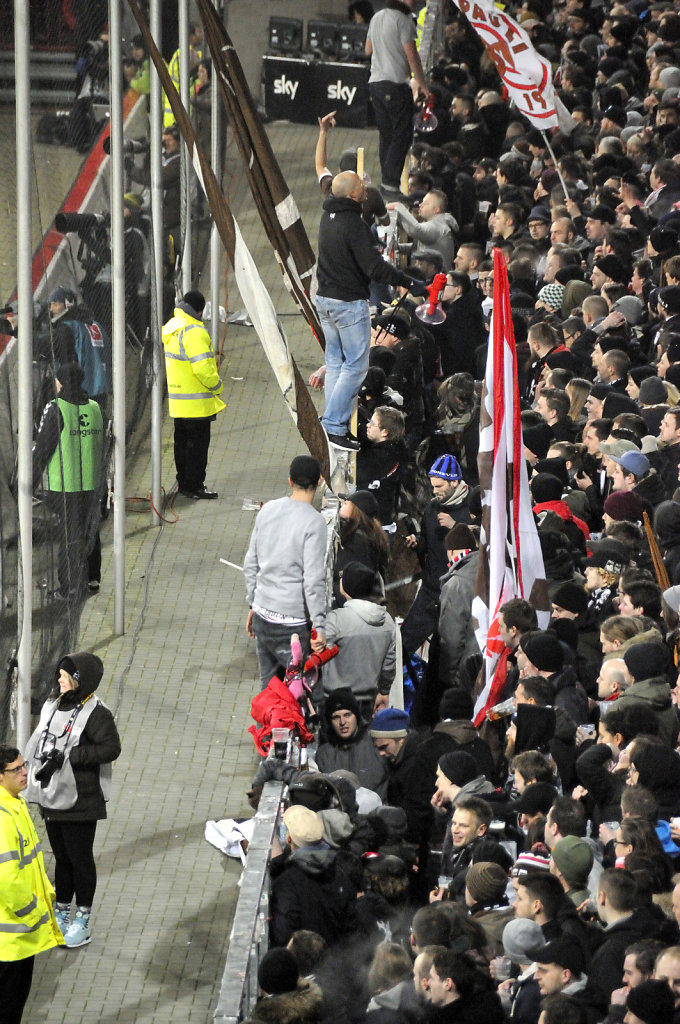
(511, 563)
(526, 74)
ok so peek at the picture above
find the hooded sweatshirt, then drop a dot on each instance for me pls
(366, 635)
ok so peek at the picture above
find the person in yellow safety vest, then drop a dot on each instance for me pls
(69, 449)
(194, 387)
(28, 925)
(195, 54)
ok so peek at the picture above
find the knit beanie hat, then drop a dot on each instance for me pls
(545, 487)
(535, 859)
(537, 798)
(458, 767)
(457, 703)
(520, 936)
(572, 597)
(460, 537)
(538, 439)
(486, 881)
(600, 391)
(644, 661)
(653, 391)
(196, 300)
(623, 505)
(390, 723)
(342, 699)
(672, 598)
(555, 467)
(551, 295)
(305, 826)
(573, 858)
(543, 650)
(357, 580)
(651, 1001)
(278, 972)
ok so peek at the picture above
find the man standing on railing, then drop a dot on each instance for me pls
(396, 78)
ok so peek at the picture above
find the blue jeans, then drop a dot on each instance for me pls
(347, 329)
(393, 108)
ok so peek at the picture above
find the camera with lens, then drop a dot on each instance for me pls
(130, 146)
(51, 763)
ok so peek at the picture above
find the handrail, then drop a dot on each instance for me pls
(249, 938)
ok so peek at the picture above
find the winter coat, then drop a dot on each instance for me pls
(455, 617)
(656, 693)
(396, 1005)
(659, 771)
(604, 787)
(27, 922)
(606, 966)
(410, 787)
(194, 384)
(87, 760)
(482, 1007)
(366, 635)
(310, 892)
(275, 707)
(570, 695)
(304, 1005)
(358, 755)
(431, 547)
(379, 470)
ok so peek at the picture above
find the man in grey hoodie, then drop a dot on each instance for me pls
(366, 635)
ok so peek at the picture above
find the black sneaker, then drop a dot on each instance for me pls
(344, 441)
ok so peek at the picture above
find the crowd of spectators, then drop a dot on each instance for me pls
(524, 868)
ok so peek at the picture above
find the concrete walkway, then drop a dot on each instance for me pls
(180, 681)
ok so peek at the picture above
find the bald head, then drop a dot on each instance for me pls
(348, 185)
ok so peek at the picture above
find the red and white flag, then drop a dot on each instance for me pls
(527, 75)
(511, 563)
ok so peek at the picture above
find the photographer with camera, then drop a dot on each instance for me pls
(70, 756)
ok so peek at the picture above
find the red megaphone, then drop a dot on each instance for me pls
(431, 312)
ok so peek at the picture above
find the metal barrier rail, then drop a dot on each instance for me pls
(249, 938)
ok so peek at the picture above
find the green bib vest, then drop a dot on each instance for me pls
(76, 462)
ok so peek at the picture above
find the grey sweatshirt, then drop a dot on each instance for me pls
(285, 566)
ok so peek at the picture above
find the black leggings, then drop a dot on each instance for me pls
(74, 870)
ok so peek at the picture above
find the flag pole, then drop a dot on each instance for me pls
(552, 155)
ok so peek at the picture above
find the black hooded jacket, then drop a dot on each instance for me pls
(348, 259)
(99, 742)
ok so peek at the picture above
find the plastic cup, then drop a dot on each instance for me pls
(280, 738)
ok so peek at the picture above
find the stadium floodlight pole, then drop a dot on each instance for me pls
(25, 368)
(216, 157)
(156, 101)
(117, 311)
(187, 171)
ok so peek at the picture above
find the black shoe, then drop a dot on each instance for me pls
(392, 195)
(201, 494)
(344, 441)
(93, 586)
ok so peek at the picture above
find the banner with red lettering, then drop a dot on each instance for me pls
(526, 74)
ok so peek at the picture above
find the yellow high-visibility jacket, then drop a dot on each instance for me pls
(194, 384)
(27, 922)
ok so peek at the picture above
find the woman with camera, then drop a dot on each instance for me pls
(70, 756)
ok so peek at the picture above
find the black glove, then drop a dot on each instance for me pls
(417, 287)
(51, 764)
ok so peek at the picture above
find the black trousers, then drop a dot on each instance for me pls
(15, 984)
(80, 547)
(75, 872)
(192, 440)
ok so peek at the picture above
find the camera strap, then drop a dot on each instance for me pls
(68, 727)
